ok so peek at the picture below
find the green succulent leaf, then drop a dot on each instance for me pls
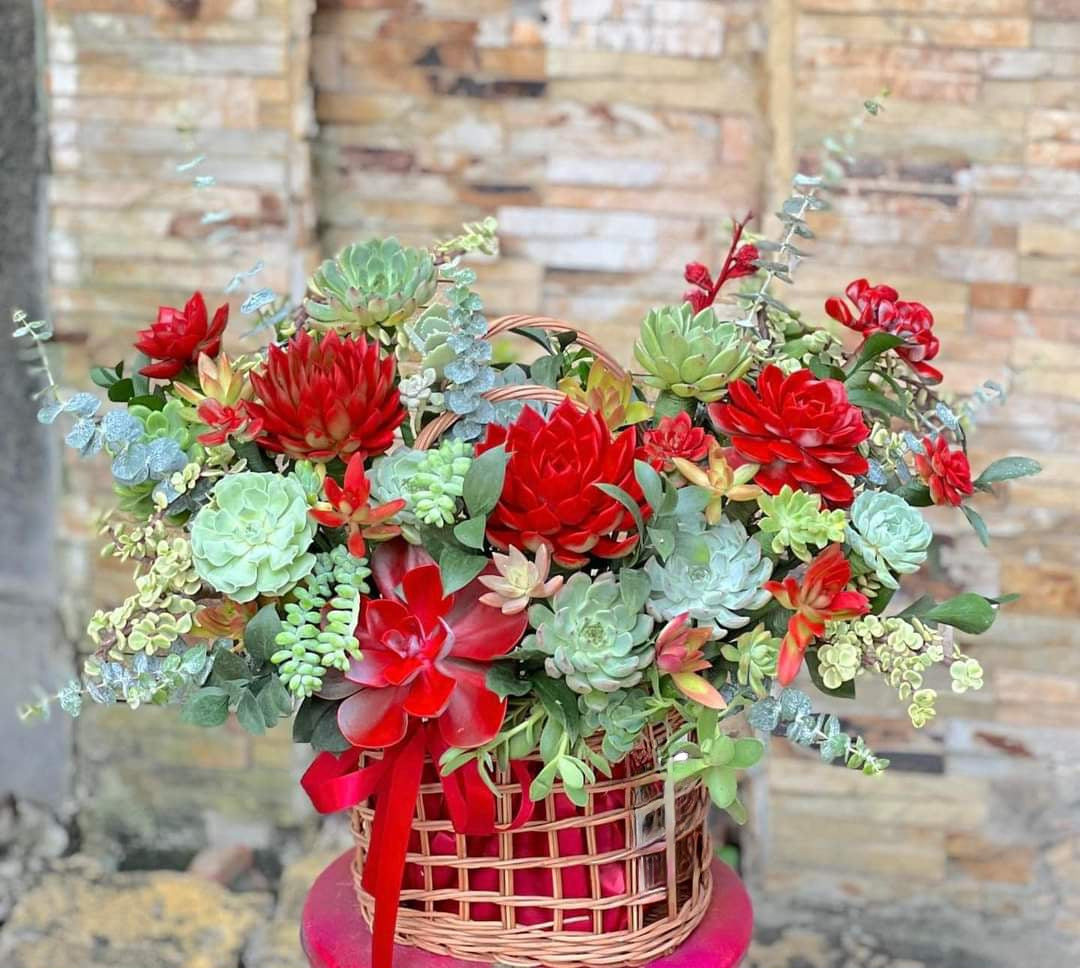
(1007, 469)
(874, 346)
(969, 612)
(484, 481)
(229, 667)
(208, 707)
(307, 718)
(458, 568)
(249, 714)
(471, 532)
(260, 633)
(846, 690)
(977, 523)
(613, 490)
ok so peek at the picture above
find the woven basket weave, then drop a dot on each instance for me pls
(623, 880)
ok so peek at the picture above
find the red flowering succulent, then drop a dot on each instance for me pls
(945, 471)
(801, 430)
(425, 654)
(679, 654)
(178, 337)
(739, 261)
(821, 597)
(334, 397)
(674, 437)
(550, 494)
(348, 507)
(880, 310)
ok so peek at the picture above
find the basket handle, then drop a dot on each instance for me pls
(551, 325)
(521, 391)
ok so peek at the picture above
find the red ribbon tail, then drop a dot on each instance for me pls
(395, 811)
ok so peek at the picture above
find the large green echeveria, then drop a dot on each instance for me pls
(691, 356)
(713, 574)
(253, 537)
(595, 634)
(377, 283)
(888, 534)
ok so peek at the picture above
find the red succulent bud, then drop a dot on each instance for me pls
(178, 337)
(348, 508)
(821, 597)
(674, 437)
(743, 263)
(804, 432)
(946, 472)
(880, 310)
(697, 274)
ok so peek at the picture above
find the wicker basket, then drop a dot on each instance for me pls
(619, 882)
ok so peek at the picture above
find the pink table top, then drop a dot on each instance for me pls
(335, 935)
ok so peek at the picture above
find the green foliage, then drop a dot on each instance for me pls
(692, 356)
(619, 722)
(1007, 469)
(714, 574)
(253, 538)
(594, 634)
(319, 624)
(390, 475)
(793, 712)
(438, 482)
(469, 373)
(796, 520)
(755, 654)
(374, 285)
(475, 237)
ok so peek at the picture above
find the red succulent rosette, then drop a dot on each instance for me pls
(334, 397)
(347, 506)
(945, 471)
(549, 493)
(178, 337)
(821, 597)
(880, 310)
(674, 437)
(426, 655)
(226, 421)
(801, 430)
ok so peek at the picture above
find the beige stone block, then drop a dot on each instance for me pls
(986, 860)
(1056, 34)
(1054, 125)
(717, 96)
(1054, 154)
(955, 8)
(934, 31)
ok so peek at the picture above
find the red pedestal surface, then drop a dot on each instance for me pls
(335, 935)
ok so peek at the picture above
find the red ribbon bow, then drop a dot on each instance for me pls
(338, 782)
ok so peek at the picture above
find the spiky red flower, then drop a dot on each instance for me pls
(348, 507)
(179, 336)
(550, 494)
(425, 654)
(880, 310)
(332, 398)
(821, 597)
(945, 471)
(674, 437)
(679, 654)
(801, 430)
(226, 421)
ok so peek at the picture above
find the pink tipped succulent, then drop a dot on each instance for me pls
(519, 580)
(678, 653)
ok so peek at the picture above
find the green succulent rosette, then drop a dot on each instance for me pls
(796, 521)
(427, 337)
(620, 722)
(889, 535)
(693, 356)
(380, 283)
(594, 634)
(713, 574)
(390, 476)
(253, 538)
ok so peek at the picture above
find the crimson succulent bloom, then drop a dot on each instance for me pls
(179, 336)
(821, 597)
(425, 654)
(945, 471)
(880, 310)
(334, 397)
(674, 437)
(348, 507)
(226, 421)
(550, 493)
(801, 430)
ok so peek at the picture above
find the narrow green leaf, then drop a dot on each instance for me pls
(867, 399)
(1007, 469)
(872, 348)
(249, 714)
(613, 490)
(652, 485)
(968, 612)
(977, 523)
(307, 718)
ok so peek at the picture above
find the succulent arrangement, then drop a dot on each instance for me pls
(545, 581)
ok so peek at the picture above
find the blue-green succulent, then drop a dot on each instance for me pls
(889, 535)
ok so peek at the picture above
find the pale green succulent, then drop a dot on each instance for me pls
(253, 537)
(966, 673)
(889, 535)
(691, 356)
(620, 722)
(427, 336)
(755, 652)
(390, 475)
(796, 520)
(595, 634)
(438, 482)
(922, 709)
(839, 662)
(713, 574)
(371, 284)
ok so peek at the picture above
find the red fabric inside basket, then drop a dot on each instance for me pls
(534, 880)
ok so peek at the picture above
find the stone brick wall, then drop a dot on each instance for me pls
(613, 138)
